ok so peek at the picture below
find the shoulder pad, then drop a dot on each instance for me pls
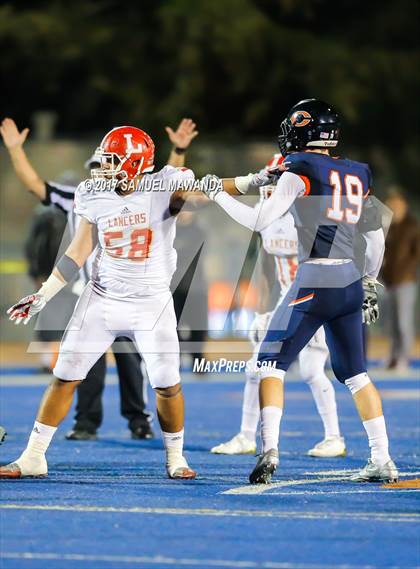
(298, 163)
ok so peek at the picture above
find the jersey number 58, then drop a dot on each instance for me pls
(139, 248)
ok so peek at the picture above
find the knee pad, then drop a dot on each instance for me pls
(168, 392)
(357, 382)
(252, 378)
(317, 380)
(250, 373)
(312, 363)
(71, 367)
(164, 372)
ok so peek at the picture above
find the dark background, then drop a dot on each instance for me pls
(235, 66)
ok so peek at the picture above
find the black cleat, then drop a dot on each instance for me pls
(143, 432)
(265, 468)
(79, 435)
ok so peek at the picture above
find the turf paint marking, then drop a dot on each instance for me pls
(290, 514)
(258, 489)
(178, 562)
(321, 478)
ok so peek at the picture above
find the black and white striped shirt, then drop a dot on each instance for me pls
(60, 196)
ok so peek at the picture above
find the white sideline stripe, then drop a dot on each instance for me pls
(185, 562)
(380, 516)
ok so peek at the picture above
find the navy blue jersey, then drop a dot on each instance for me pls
(331, 212)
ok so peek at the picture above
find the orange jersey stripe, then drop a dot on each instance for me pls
(302, 299)
(307, 183)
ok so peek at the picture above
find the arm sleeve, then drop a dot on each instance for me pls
(375, 249)
(60, 196)
(289, 187)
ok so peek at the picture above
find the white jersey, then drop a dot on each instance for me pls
(136, 233)
(280, 240)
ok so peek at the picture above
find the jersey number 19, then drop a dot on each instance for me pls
(353, 188)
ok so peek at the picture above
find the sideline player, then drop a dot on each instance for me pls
(279, 248)
(89, 411)
(328, 198)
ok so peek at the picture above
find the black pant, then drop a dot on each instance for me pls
(89, 410)
(199, 323)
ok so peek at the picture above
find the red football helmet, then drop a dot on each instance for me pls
(124, 153)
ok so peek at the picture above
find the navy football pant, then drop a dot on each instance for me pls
(322, 295)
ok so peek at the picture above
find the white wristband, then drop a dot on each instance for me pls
(242, 183)
(51, 287)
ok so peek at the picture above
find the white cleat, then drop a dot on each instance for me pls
(24, 467)
(239, 444)
(177, 468)
(375, 473)
(330, 447)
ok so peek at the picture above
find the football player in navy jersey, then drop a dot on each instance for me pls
(331, 205)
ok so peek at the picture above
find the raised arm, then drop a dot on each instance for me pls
(181, 139)
(65, 271)
(14, 140)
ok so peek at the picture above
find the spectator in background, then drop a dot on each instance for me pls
(399, 273)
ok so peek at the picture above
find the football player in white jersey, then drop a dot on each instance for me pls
(280, 244)
(131, 212)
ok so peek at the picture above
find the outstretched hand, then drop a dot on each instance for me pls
(11, 135)
(184, 134)
(26, 308)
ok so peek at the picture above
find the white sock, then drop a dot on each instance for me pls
(250, 410)
(32, 460)
(378, 440)
(174, 442)
(39, 440)
(324, 396)
(270, 427)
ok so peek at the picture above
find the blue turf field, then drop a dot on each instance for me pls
(107, 504)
